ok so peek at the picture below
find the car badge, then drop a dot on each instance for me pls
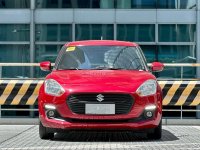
(100, 97)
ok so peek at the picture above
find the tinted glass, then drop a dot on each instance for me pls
(101, 57)
(143, 3)
(177, 4)
(136, 32)
(177, 33)
(14, 3)
(150, 52)
(75, 4)
(94, 32)
(15, 54)
(177, 54)
(94, 4)
(45, 53)
(53, 32)
(14, 32)
(108, 4)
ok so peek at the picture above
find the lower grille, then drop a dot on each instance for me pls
(123, 102)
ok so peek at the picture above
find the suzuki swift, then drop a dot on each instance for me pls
(100, 85)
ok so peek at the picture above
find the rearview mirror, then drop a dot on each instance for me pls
(45, 66)
(157, 66)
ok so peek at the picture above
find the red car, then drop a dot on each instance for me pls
(100, 85)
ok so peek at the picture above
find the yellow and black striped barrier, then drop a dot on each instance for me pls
(179, 93)
(25, 92)
(19, 92)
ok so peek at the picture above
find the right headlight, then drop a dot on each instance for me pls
(52, 87)
(149, 87)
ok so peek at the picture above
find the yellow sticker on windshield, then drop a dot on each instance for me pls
(72, 48)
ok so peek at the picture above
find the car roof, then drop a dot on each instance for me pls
(101, 43)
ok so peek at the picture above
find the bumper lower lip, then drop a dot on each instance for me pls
(62, 124)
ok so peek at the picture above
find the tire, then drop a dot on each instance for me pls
(44, 133)
(157, 133)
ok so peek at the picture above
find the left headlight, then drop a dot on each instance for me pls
(52, 87)
(149, 87)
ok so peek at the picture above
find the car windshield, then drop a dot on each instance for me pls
(101, 58)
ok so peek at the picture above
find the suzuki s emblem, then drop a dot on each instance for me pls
(100, 97)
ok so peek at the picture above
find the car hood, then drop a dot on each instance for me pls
(100, 77)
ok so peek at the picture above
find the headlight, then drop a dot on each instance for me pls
(149, 87)
(52, 87)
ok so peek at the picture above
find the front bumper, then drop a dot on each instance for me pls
(119, 125)
(129, 121)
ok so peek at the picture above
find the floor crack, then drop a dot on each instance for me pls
(16, 135)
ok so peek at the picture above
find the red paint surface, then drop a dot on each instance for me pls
(101, 42)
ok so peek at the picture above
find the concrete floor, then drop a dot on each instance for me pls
(16, 137)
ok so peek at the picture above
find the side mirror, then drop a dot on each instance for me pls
(157, 66)
(45, 66)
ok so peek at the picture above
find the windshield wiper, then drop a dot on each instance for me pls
(70, 69)
(111, 68)
(106, 68)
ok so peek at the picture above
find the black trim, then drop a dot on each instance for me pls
(123, 102)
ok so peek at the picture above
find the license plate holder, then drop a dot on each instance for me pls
(100, 109)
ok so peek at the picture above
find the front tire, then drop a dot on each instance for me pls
(157, 133)
(44, 133)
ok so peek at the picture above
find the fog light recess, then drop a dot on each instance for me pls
(149, 111)
(51, 114)
(50, 110)
(148, 114)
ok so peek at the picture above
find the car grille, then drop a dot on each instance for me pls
(123, 102)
